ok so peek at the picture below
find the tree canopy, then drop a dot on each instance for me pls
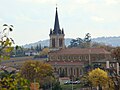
(116, 54)
(100, 78)
(37, 71)
(12, 81)
(81, 43)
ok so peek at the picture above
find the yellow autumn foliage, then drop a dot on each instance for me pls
(45, 51)
(98, 77)
(36, 70)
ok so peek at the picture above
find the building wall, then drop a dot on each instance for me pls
(68, 70)
(73, 57)
(73, 69)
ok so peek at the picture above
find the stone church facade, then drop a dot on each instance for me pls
(70, 61)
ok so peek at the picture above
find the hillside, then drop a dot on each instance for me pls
(45, 43)
(114, 41)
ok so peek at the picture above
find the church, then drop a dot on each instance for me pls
(57, 35)
(71, 61)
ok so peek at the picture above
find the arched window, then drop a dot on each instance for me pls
(60, 42)
(53, 42)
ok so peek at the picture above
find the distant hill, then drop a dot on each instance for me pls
(45, 43)
(114, 41)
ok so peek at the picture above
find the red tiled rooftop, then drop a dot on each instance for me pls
(81, 51)
(65, 63)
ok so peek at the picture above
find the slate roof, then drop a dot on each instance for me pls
(56, 30)
(56, 25)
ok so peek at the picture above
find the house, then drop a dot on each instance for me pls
(31, 53)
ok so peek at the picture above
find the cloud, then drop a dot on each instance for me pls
(97, 19)
(82, 1)
(109, 2)
(1, 20)
(25, 18)
(39, 1)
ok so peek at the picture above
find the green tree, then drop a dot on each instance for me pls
(57, 86)
(87, 40)
(81, 43)
(13, 81)
(38, 48)
(78, 42)
(6, 42)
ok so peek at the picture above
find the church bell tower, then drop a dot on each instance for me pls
(57, 35)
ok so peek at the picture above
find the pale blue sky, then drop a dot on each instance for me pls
(32, 19)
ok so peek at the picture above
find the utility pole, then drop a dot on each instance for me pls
(89, 56)
(72, 82)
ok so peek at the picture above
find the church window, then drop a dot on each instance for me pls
(71, 57)
(80, 72)
(74, 71)
(53, 42)
(79, 57)
(58, 57)
(63, 57)
(60, 42)
(55, 69)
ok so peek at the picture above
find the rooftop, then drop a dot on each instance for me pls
(81, 51)
(66, 63)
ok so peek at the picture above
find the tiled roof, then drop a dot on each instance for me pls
(81, 51)
(60, 63)
(104, 60)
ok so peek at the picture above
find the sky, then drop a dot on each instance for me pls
(32, 19)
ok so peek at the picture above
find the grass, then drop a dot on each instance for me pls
(69, 87)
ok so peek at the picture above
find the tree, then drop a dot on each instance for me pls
(76, 43)
(44, 52)
(36, 71)
(38, 48)
(81, 43)
(116, 54)
(85, 82)
(12, 81)
(6, 42)
(57, 86)
(98, 77)
(87, 40)
(18, 51)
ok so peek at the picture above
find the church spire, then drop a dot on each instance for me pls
(57, 35)
(56, 24)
